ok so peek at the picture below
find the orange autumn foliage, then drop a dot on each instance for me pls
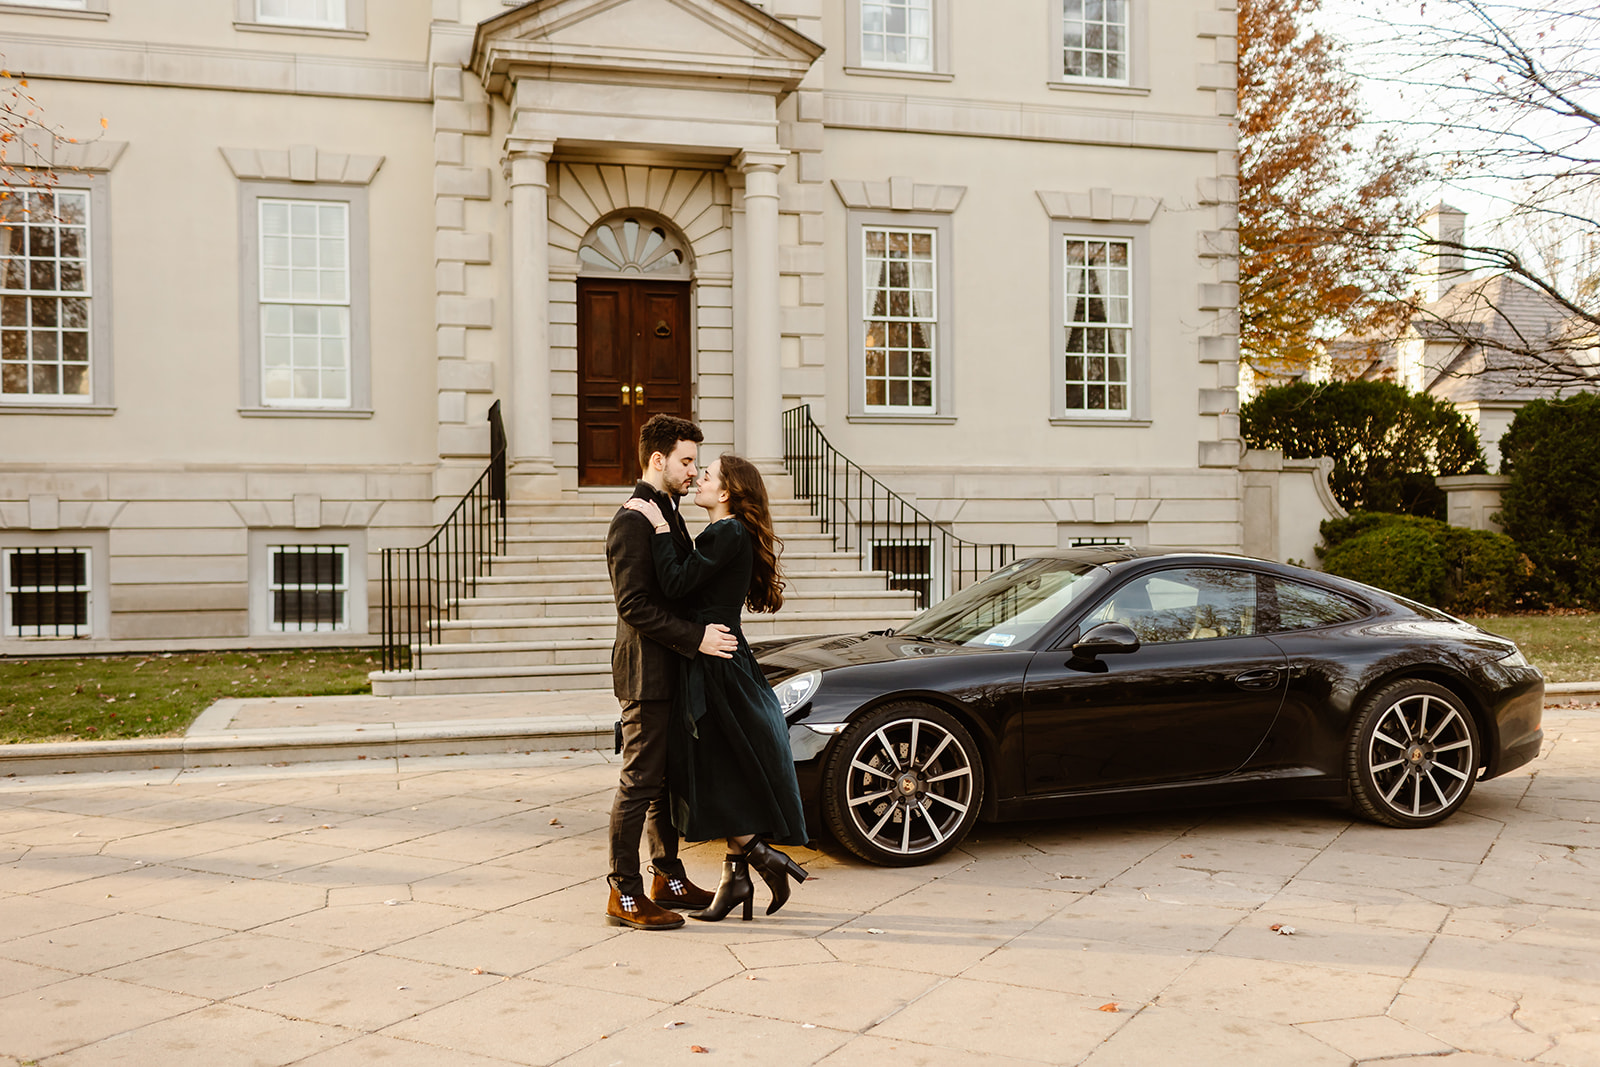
(1323, 205)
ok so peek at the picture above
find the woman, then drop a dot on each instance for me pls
(730, 770)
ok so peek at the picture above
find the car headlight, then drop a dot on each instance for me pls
(792, 693)
(1514, 658)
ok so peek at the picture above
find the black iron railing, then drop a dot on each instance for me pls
(885, 531)
(424, 585)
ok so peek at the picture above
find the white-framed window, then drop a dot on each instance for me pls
(305, 303)
(897, 33)
(898, 38)
(901, 323)
(45, 292)
(1101, 542)
(1097, 331)
(327, 14)
(316, 18)
(1094, 40)
(308, 587)
(47, 591)
(93, 8)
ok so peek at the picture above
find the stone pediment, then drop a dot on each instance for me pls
(643, 41)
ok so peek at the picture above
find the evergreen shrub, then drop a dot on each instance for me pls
(1552, 504)
(1451, 568)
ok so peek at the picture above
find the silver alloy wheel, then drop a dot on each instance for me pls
(1421, 756)
(910, 786)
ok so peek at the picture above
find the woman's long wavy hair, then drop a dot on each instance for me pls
(747, 500)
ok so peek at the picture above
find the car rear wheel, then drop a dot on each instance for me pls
(902, 785)
(1413, 755)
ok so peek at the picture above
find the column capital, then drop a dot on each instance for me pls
(770, 160)
(525, 159)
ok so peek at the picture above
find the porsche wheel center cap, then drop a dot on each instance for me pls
(1417, 754)
(908, 785)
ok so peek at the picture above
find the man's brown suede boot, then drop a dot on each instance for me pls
(625, 909)
(671, 891)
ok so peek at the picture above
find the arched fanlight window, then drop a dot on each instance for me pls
(624, 245)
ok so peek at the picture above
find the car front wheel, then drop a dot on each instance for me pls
(1413, 755)
(902, 785)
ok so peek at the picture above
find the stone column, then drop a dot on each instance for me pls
(533, 469)
(760, 408)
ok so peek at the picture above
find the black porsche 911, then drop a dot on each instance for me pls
(1113, 679)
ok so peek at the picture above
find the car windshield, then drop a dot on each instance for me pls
(1009, 606)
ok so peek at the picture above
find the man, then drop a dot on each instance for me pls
(651, 635)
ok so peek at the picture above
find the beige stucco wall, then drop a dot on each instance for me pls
(176, 479)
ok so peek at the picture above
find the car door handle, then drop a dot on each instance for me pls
(1265, 678)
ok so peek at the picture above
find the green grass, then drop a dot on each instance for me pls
(159, 695)
(1565, 647)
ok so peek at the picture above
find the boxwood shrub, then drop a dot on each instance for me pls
(1455, 569)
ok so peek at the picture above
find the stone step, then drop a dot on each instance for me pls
(584, 604)
(557, 541)
(591, 562)
(427, 681)
(560, 652)
(535, 585)
(604, 627)
(603, 510)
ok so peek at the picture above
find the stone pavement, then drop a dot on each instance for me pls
(447, 911)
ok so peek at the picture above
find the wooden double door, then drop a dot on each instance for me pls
(633, 362)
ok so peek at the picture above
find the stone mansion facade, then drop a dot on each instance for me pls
(252, 328)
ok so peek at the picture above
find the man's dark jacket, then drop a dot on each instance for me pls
(651, 630)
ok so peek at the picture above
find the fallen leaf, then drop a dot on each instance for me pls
(555, 822)
(1186, 856)
(1282, 928)
(1111, 1007)
(672, 1025)
(698, 1048)
(477, 970)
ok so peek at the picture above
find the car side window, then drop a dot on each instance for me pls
(1183, 604)
(1301, 606)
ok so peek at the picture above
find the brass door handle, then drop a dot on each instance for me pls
(638, 394)
(625, 400)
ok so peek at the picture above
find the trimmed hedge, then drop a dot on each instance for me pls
(1552, 504)
(1454, 569)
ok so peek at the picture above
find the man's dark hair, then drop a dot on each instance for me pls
(662, 434)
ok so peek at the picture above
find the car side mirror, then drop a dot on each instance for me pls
(1106, 639)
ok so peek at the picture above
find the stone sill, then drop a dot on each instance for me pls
(58, 409)
(1097, 87)
(896, 72)
(1081, 421)
(305, 413)
(53, 12)
(299, 31)
(908, 420)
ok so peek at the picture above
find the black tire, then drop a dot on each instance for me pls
(1413, 756)
(902, 785)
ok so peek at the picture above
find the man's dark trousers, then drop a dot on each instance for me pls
(653, 638)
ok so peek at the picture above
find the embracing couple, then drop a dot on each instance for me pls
(705, 751)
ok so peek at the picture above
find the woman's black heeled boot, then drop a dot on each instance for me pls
(735, 888)
(775, 869)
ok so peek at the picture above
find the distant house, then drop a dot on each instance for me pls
(1489, 344)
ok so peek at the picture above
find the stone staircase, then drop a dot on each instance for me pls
(544, 618)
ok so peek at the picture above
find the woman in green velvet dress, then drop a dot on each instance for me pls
(730, 771)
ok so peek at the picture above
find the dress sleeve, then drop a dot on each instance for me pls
(680, 577)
